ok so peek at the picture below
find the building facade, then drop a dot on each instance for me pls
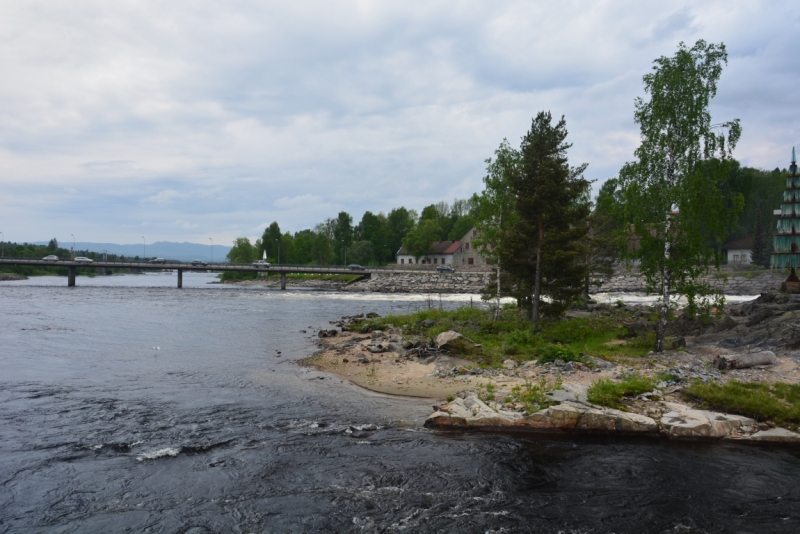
(453, 253)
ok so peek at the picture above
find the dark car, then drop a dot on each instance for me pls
(445, 269)
(355, 267)
(199, 263)
(158, 260)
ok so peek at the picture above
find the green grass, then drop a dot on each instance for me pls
(605, 392)
(779, 402)
(534, 394)
(511, 337)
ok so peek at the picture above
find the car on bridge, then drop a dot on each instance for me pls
(158, 260)
(83, 259)
(445, 269)
(51, 257)
(262, 263)
(356, 267)
(199, 263)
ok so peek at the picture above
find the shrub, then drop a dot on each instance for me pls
(552, 352)
(608, 393)
(779, 402)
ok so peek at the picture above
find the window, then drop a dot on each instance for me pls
(474, 233)
(471, 261)
(435, 260)
(466, 246)
(402, 260)
(736, 258)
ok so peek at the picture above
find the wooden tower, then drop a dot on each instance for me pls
(786, 247)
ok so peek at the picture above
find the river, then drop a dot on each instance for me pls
(129, 405)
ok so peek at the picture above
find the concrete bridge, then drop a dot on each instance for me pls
(72, 267)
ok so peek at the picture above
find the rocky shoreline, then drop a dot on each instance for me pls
(388, 361)
(9, 277)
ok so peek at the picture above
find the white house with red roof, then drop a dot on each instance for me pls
(453, 253)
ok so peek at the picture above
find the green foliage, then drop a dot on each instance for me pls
(342, 236)
(540, 244)
(555, 351)
(510, 334)
(779, 402)
(242, 252)
(605, 392)
(360, 252)
(418, 241)
(683, 162)
(534, 394)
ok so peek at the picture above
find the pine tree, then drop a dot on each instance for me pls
(541, 250)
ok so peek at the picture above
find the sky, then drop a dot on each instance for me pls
(197, 120)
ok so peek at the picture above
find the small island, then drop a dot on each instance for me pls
(731, 376)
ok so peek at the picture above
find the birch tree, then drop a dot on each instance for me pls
(672, 191)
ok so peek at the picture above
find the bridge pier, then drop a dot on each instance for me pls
(283, 280)
(180, 278)
(70, 276)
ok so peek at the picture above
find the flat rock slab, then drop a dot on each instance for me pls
(775, 435)
(681, 421)
(470, 412)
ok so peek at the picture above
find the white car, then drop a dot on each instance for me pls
(83, 259)
(51, 257)
(262, 263)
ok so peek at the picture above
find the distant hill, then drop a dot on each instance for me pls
(159, 249)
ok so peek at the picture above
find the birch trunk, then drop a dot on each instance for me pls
(537, 286)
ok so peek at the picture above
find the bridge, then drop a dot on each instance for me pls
(72, 267)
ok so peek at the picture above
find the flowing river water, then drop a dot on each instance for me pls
(129, 405)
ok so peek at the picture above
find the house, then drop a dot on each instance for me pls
(740, 251)
(441, 253)
(462, 252)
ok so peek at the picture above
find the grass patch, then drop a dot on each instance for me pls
(779, 402)
(534, 394)
(608, 393)
(510, 336)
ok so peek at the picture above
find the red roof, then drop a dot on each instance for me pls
(437, 247)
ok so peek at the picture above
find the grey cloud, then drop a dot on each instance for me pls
(199, 119)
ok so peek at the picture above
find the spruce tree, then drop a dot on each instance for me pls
(542, 249)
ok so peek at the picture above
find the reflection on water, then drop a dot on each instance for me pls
(129, 404)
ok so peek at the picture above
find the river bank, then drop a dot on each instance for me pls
(529, 395)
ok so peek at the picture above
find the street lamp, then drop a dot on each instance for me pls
(212, 250)
(144, 248)
(4, 244)
(73, 243)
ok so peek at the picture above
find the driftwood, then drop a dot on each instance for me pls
(743, 361)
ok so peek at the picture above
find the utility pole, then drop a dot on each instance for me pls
(73, 243)
(4, 244)
(144, 248)
(212, 250)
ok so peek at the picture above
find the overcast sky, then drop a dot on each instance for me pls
(187, 120)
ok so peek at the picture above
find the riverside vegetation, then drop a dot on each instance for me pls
(603, 357)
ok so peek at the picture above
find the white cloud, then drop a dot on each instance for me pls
(229, 115)
(167, 196)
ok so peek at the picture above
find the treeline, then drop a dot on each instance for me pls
(759, 190)
(374, 240)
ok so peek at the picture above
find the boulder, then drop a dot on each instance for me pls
(681, 421)
(396, 347)
(453, 341)
(573, 416)
(471, 412)
(510, 364)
